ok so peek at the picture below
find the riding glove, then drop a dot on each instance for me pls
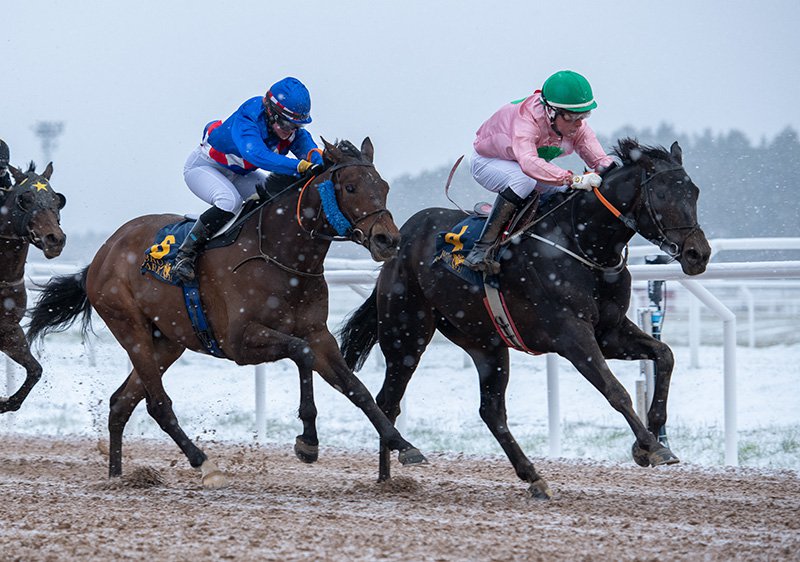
(303, 166)
(586, 182)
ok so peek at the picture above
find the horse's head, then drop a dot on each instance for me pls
(33, 210)
(664, 207)
(361, 192)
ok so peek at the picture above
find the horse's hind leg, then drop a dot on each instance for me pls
(150, 357)
(122, 404)
(402, 342)
(492, 368)
(13, 343)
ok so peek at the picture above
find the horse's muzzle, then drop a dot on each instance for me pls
(384, 246)
(51, 244)
(696, 253)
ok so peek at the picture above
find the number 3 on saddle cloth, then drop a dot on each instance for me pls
(159, 259)
(451, 250)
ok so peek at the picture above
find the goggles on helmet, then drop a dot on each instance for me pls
(572, 117)
(274, 117)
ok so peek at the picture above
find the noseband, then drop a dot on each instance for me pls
(663, 241)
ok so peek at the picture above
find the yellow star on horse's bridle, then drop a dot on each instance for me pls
(40, 186)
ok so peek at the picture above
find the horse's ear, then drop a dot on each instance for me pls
(676, 152)
(17, 173)
(331, 152)
(367, 149)
(48, 171)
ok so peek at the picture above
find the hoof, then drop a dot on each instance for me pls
(305, 452)
(640, 456)
(660, 456)
(411, 457)
(539, 490)
(213, 478)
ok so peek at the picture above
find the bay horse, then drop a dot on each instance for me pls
(565, 285)
(30, 213)
(265, 297)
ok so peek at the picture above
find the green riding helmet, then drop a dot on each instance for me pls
(569, 91)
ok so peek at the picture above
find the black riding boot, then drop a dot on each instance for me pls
(480, 257)
(206, 226)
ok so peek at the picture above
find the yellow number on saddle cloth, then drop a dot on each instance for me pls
(455, 239)
(160, 250)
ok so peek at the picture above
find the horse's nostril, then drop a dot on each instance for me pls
(693, 255)
(382, 240)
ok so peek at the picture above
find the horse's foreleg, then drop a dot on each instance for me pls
(492, 368)
(581, 349)
(629, 342)
(306, 446)
(13, 344)
(328, 362)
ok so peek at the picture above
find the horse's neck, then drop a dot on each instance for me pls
(13, 252)
(591, 230)
(287, 241)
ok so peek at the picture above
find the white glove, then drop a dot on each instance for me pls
(586, 182)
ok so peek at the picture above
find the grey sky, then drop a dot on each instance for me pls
(136, 82)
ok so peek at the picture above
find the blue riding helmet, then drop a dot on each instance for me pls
(290, 99)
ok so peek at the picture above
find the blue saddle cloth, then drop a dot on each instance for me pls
(158, 262)
(160, 257)
(453, 246)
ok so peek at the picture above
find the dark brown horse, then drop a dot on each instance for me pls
(566, 286)
(30, 212)
(265, 298)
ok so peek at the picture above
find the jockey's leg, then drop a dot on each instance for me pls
(480, 258)
(213, 184)
(207, 225)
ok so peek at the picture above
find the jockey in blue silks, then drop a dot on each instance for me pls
(236, 155)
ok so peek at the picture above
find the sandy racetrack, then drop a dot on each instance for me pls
(57, 504)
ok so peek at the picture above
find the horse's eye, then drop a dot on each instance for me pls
(350, 188)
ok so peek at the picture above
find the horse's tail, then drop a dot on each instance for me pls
(360, 333)
(62, 300)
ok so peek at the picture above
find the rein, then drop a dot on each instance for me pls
(662, 241)
(353, 233)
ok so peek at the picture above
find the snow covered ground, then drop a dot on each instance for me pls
(215, 400)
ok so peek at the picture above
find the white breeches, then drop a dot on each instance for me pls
(496, 174)
(216, 185)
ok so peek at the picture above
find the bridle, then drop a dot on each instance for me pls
(347, 230)
(350, 230)
(662, 240)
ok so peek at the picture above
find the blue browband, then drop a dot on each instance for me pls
(331, 209)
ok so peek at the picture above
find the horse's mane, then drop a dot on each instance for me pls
(629, 150)
(276, 183)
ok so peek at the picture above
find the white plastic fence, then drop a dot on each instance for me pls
(360, 276)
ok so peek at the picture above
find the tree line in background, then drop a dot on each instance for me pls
(746, 190)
